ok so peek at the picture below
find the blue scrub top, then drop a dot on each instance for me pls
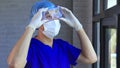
(61, 55)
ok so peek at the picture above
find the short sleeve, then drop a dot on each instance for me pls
(29, 56)
(31, 49)
(72, 52)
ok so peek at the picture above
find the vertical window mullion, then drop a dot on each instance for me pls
(118, 42)
(96, 42)
(101, 6)
(118, 2)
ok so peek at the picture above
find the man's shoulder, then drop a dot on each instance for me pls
(60, 40)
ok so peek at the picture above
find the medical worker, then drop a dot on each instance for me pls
(43, 51)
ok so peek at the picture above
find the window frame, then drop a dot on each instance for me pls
(105, 13)
(118, 42)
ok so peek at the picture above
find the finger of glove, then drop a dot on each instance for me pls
(63, 19)
(65, 10)
(41, 23)
(44, 21)
(38, 15)
(41, 10)
(67, 22)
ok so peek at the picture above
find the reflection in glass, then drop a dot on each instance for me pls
(111, 34)
(111, 3)
(96, 7)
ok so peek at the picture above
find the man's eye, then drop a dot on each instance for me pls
(48, 16)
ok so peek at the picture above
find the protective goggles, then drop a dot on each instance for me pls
(53, 13)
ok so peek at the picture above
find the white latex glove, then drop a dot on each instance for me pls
(70, 19)
(36, 20)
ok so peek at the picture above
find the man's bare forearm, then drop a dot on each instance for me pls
(86, 47)
(19, 52)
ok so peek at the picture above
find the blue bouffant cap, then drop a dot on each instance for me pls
(41, 4)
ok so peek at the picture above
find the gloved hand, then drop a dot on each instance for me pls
(36, 20)
(70, 19)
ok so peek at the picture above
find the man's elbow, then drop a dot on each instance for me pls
(10, 65)
(92, 60)
(15, 64)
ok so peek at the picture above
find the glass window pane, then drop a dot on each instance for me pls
(111, 3)
(111, 37)
(112, 44)
(96, 7)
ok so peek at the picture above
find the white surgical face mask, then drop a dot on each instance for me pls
(51, 28)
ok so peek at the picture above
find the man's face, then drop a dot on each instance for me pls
(41, 28)
(51, 28)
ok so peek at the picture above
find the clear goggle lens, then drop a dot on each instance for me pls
(54, 13)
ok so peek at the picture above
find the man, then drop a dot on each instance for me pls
(44, 51)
